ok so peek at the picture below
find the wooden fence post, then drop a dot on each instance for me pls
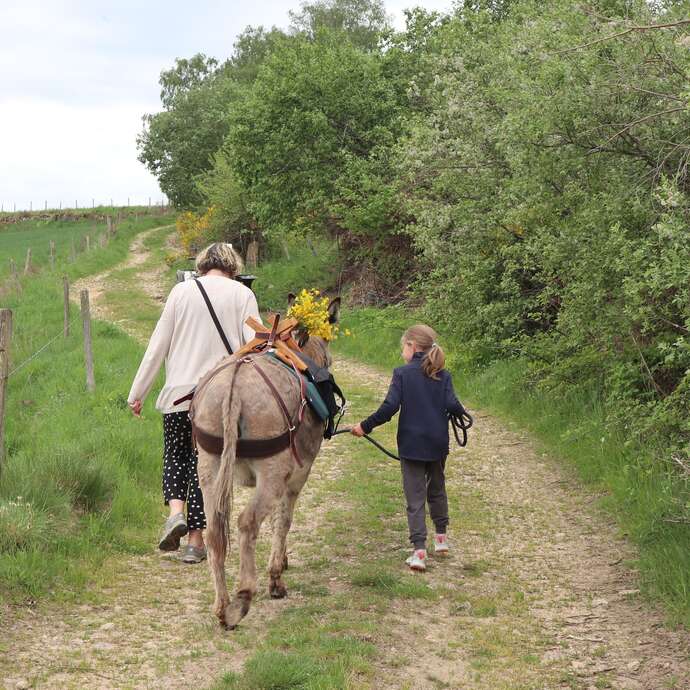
(52, 255)
(252, 259)
(5, 337)
(88, 243)
(109, 222)
(88, 348)
(27, 264)
(65, 291)
(15, 276)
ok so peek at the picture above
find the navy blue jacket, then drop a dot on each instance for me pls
(423, 403)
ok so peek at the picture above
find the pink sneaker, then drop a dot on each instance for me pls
(440, 545)
(417, 561)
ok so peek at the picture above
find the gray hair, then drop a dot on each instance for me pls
(219, 255)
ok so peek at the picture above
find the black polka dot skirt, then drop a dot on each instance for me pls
(180, 476)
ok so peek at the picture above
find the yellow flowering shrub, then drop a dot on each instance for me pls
(193, 229)
(312, 313)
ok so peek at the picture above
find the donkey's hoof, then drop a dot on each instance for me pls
(236, 610)
(277, 590)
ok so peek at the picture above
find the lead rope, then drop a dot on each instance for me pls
(463, 422)
(371, 440)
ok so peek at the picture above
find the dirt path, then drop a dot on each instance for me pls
(137, 270)
(536, 594)
(537, 567)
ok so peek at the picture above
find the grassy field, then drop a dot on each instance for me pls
(37, 233)
(639, 491)
(76, 481)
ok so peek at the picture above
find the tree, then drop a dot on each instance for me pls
(250, 49)
(222, 191)
(178, 143)
(361, 20)
(313, 105)
(550, 190)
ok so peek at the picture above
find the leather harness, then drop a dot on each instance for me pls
(246, 447)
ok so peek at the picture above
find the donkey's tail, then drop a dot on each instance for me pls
(223, 488)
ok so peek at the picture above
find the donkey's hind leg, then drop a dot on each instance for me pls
(216, 532)
(277, 563)
(270, 487)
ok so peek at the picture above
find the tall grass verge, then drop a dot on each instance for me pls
(80, 479)
(641, 492)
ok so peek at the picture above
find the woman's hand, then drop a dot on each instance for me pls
(136, 408)
(357, 430)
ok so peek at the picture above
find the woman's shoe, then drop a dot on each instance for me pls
(193, 554)
(174, 529)
(417, 561)
(440, 545)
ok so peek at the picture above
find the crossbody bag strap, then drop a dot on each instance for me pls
(219, 328)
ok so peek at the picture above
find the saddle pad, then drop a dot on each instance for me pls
(313, 396)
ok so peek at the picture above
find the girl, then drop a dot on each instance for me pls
(423, 392)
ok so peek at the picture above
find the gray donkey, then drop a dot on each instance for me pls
(236, 401)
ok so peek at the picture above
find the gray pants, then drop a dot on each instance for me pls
(424, 482)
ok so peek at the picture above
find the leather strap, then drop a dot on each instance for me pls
(219, 328)
(292, 426)
(246, 447)
(250, 447)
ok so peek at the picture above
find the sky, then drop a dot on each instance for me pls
(76, 76)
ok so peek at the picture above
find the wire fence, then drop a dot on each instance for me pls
(112, 202)
(43, 348)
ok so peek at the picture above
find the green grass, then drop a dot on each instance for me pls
(297, 655)
(37, 233)
(572, 425)
(80, 480)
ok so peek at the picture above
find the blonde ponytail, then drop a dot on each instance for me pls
(424, 338)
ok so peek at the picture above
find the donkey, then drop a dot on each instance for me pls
(236, 401)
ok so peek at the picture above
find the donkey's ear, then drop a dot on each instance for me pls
(334, 310)
(291, 299)
(303, 338)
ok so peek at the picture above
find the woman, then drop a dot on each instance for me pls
(187, 340)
